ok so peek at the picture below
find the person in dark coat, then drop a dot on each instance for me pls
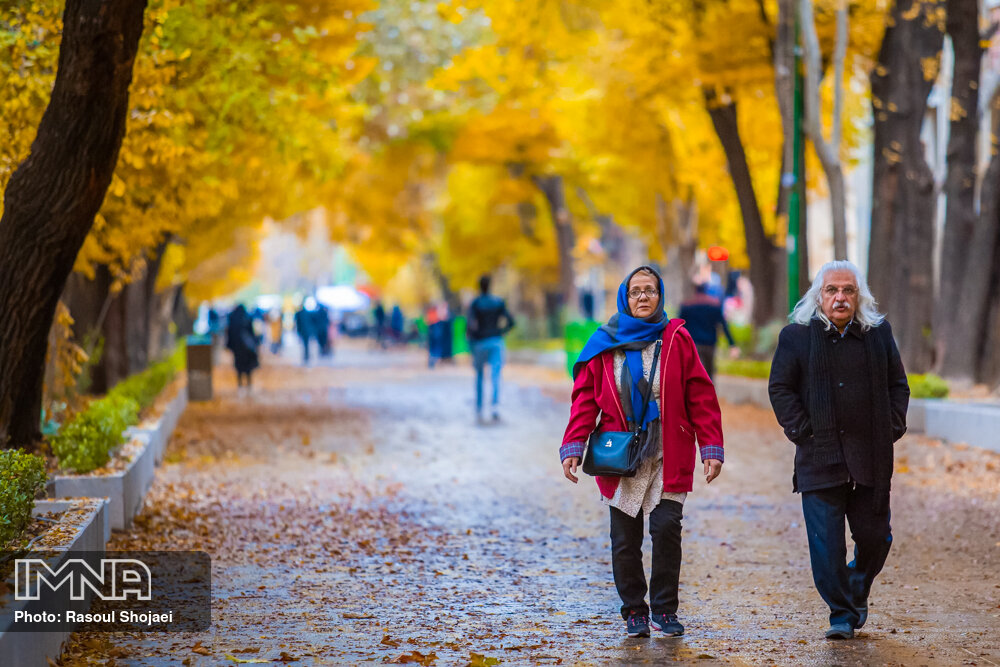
(703, 317)
(241, 339)
(488, 322)
(378, 316)
(305, 327)
(396, 324)
(321, 328)
(839, 390)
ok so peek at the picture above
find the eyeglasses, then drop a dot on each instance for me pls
(650, 292)
(830, 290)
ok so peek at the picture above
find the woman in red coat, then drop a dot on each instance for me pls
(609, 378)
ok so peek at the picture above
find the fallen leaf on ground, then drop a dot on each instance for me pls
(416, 657)
(244, 660)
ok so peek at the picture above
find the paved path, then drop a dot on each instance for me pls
(356, 513)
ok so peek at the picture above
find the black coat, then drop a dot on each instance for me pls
(241, 339)
(862, 435)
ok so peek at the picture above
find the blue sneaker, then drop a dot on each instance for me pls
(667, 624)
(637, 625)
(840, 631)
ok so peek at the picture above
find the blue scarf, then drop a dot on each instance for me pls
(632, 335)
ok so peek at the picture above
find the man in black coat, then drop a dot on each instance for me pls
(839, 390)
(488, 322)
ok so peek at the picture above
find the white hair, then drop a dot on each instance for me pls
(810, 305)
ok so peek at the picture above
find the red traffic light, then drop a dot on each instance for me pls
(718, 254)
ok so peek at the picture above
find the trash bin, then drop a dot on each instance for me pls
(199, 367)
(577, 334)
(459, 342)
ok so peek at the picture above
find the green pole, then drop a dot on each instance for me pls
(797, 179)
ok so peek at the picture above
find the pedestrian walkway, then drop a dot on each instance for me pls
(355, 512)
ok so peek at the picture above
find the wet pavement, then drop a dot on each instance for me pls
(355, 512)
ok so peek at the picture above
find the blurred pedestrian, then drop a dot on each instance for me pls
(396, 324)
(305, 326)
(378, 317)
(488, 322)
(839, 390)
(321, 329)
(241, 339)
(609, 392)
(275, 330)
(214, 321)
(703, 317)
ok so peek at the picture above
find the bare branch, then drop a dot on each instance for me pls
(828, 153)
(839, 56)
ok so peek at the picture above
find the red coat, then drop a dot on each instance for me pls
(689, 409)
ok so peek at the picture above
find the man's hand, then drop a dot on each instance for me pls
(569, 467)
(712, 469)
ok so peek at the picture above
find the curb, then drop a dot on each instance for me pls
(37, 648)
(974, 424)
(159, 431)
(124, 490)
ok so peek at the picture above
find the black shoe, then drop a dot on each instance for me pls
(667, 624)
(637, 625)
(840, 631)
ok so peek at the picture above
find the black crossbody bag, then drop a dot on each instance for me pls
(616, 453)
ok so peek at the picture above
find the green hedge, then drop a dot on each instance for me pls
(921, 386)
(85, 442)
(22, 476)
(577, 333)
(927, 386)
(144, 387)
(744, 367)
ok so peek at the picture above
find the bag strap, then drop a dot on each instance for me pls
(626, 381)
(649, 383)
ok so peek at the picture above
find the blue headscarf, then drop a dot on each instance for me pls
(632, 335)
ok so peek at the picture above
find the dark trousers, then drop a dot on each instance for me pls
(626, 559)
(844, 587)
(707, 355)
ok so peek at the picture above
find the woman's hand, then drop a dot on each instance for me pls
(569, 467)
(712, 469)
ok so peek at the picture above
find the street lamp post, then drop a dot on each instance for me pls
(797, 178)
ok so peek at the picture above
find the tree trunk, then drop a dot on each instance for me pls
(828, 153)
(161, 339)
(181, 314)
(555, 195)
(527, 214)
(960, 184)
(679, 235)
(989, 358)
(114, 363)
(784, 90)
(982, 266)
(451, 297)
(765, 257)
(128, 325)
(902, 238)
(52, 198)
